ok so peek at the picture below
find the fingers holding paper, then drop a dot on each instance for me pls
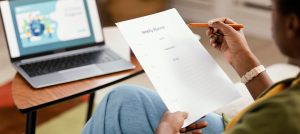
(194, 128)
(172, 123)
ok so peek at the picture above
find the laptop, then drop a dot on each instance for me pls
(57, 41)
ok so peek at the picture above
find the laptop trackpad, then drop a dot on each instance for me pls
(81, 72)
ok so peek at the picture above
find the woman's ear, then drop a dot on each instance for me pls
(292, 26)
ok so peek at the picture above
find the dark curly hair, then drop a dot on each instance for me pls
(289, 6)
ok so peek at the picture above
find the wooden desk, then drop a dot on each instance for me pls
(29, 100)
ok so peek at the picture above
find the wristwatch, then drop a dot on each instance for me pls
(252, 74)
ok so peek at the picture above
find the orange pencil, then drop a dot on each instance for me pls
(235, 26)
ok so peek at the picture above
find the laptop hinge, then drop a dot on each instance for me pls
(59, 54)
(59, 50)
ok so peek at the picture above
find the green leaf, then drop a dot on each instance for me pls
(44, 19)
(47, 24)
(25, 26)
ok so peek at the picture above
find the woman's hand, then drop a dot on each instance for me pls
(232, 44)
(171, 123)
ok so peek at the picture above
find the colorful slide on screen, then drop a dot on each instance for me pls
(59, 21)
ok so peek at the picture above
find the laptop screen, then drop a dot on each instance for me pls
(35, 26)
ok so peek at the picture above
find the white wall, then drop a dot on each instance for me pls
(257, 18)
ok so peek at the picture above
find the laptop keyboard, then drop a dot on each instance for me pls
(68, 62)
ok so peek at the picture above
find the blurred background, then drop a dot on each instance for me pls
(68, 117)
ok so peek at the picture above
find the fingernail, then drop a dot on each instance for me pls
(210, 39)
(186, 112)
(214, 45)
(210, 22)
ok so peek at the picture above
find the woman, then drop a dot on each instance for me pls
(134, 109)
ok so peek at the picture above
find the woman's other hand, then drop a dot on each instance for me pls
(232, 44)
(171, 123)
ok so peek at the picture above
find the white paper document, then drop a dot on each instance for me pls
(184, 74)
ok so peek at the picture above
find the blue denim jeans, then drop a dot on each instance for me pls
(130, 109)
